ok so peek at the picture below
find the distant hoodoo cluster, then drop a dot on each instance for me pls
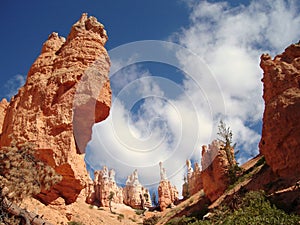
(134, 194)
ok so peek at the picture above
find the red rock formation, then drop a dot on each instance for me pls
(280, 142)
(3, 106)
(167, 194)
(99, 191)
(193, 182)
(68, 74)
(135, 195)
(215, 166)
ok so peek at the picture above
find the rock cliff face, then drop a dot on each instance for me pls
(3, 106)
(215, 176)
(67, 90)
(167, 194)
(135, 195)
(193, 182)
(99, 190)
(280, 142)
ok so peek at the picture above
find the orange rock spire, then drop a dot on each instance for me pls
(69, 74)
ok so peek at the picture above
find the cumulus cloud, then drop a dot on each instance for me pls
(231, 40)
(148, 124)
(155, 118)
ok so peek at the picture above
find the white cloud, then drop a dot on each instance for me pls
(160, 129)
(231, 40)
(155, 119)
(12, 86)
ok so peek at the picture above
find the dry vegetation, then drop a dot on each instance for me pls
(21, 176)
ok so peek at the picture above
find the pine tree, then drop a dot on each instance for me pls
(225, 134)
(110, 198)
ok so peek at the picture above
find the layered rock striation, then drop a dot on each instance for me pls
(215, 174)
(67, 90)
(280, 142)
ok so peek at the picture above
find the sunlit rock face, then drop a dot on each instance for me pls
(67, 90)
(280, 141)
(167, 194)
(3, 106)
(193, 182)
(215, 166)
(100, 189)
(135, 195)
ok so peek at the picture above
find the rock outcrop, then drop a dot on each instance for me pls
(3, 106)
(67, 90)
(99, 191)
(167, 194)
(135, 195)
(193, 182)
(215, 174)
(280, 142)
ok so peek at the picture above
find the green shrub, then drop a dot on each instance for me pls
(139, 212)
(181, 221)
(260, 162)
(151, 221)
(120, 217)
(254, 208)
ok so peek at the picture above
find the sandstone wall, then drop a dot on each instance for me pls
(280, 141)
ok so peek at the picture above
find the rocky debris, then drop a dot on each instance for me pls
(99, 191)
(280, 141)
(135, 195)
(167, 194)
(215, 176)
(3, 106)
(67, 90)
(193, 181)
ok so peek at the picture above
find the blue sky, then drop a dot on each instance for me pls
(27, 25)
(216, 73)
